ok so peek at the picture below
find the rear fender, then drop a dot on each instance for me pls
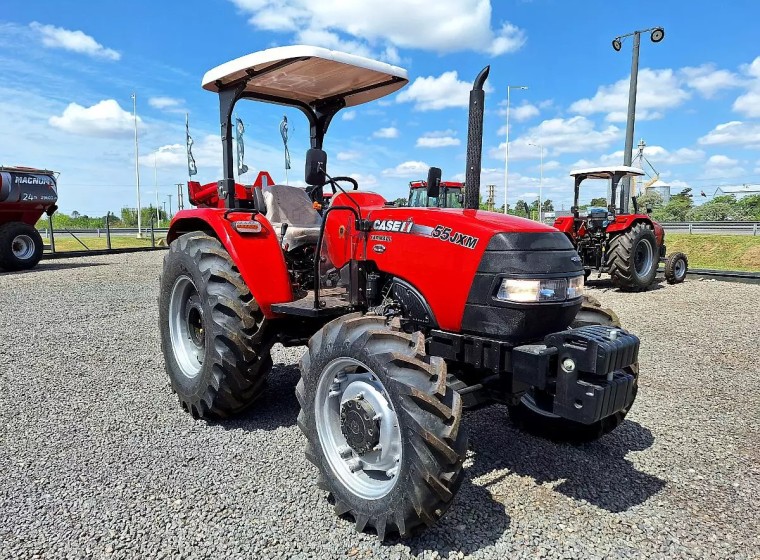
(257, 256)
(627, 221)
(566, 224)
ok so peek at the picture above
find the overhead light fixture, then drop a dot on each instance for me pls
(617, 44)
(658, 34)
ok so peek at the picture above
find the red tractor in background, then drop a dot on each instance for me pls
(628, 247)
(451, 195)
(26, 194)
(411, 315)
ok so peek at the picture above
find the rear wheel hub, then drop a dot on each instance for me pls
(358, 425)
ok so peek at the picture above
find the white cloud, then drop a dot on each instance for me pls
(657, 91)
(365, 181)
(722, 167)
(165, 102)
(388, 132)
(408, 169)
(438, 139)
(748, 104)
(524, 112)
(708, 80)
(347, 155)
(75, 41)
(733, 132)
(348, 115)
(454, 25)
(432, 93)
(104, 119)
(437, 142)
(559, 136)
(721, 161)
(658, 156)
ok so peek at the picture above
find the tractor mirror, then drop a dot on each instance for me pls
(316, 166)
(434, 182)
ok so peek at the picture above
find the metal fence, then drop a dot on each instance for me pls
(732, 228)
(49, 234)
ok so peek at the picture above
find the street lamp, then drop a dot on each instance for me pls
(657, 34)
(541, 182)
(506, 154)
(137, 165)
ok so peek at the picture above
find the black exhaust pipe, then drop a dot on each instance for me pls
(475, 141)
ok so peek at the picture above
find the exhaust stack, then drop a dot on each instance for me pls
(475, 141)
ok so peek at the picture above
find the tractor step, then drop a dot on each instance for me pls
(332, 300)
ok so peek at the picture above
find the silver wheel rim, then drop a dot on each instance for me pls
(186, 327)
(680, 268)
(642, 258)
(23, 247)
(529, 401)
(373, 474)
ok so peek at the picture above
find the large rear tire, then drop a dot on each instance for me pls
(633, 258)
(20, 246)
(529, 416)
(382, 426)
(212, 331)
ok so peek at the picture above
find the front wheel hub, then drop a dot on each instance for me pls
(359, 425)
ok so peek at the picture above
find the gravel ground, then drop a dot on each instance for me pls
(98, 461)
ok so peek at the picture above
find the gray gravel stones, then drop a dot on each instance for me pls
(98, 461)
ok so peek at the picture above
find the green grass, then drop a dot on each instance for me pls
(64, 242)
(721, 252)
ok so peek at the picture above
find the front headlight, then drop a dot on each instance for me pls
(546, 289)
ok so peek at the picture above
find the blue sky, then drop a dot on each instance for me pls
(68, 70)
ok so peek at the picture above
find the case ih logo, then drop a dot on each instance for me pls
(393, 225)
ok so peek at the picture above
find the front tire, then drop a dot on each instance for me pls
(212, 331)
(676, 266)
(632, 258)
(20, 246)
(529, 416)
(382, 427)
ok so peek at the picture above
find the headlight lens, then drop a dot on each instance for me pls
(546, 289)
(575, 287)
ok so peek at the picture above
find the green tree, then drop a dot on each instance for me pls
(599, 201)
(720, 208)
(651, 199)
(677, 209)
(547, 205)
(751, 206)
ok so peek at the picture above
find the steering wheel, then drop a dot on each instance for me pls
(345, 179)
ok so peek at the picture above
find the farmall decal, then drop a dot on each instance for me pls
(439, 232)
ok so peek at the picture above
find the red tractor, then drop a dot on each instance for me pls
(25, 195)
(411, 315)
(451, 195)
(628, 247)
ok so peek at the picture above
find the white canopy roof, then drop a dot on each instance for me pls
(309, 74)
(607, 172)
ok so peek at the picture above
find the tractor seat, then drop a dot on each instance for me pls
(284, 204)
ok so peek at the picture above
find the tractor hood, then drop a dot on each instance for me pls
(457, 258)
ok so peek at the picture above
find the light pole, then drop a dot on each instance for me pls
(540, 146)
(506, 150)
(169, 196)
(137, 165)
(657, 35)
